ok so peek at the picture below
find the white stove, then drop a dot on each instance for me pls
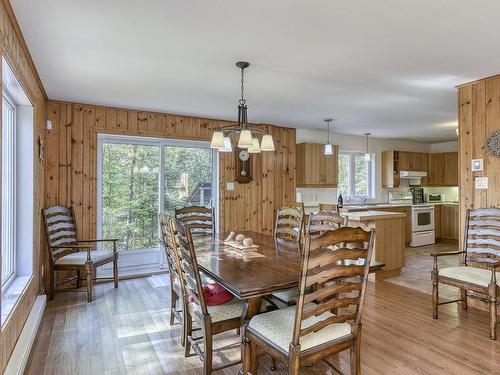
(422, 218)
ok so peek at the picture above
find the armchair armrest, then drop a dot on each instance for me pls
(444, 253)
(74, 246)
(100, 240)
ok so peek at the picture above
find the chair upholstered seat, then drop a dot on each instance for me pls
(277, 326)
(230, 310)
(471, 275)
(79, 258)
(288, 296)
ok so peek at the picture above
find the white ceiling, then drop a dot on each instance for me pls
(387, 67)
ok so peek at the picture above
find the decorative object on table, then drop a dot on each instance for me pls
(240, 238)
(247, 242)
(328, 146)
(247, 133)
(477, 165)
(243, 166)
(492, 144)
(230, 237)
(240, 242)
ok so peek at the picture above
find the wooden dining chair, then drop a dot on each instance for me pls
(171, 253)
(323, 207)
(298, 205)
(327, 319)
(212, 319)
(200, 219)
(68, 253)
(481, 248)
(325, 221)
(289, 224)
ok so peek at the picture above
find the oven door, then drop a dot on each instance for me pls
(422, 219)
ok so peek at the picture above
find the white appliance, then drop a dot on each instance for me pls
(434, 198)
(401, 197)
(413, 177)
(422, 225)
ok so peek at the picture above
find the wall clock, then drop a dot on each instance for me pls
(492, 144)
(243, 166)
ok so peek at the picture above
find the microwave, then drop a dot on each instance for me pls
(435, 198)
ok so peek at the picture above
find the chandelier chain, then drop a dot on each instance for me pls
(242, 100)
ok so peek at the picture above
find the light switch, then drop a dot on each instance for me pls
(481, 182)
(230, 186)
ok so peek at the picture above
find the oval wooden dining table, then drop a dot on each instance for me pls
(249, 275)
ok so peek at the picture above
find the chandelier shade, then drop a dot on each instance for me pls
(245, 140)
(255, 149)
(227, 145)
(217, 140)
(267, 143)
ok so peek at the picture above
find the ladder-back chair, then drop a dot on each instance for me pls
(200, 219)
(68, 253)
(479, 262)
(328, 207)
(289, 223)
(211, 319)
(327, 318)
(325, 221)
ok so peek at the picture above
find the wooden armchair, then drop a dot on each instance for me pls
(68, 253)
(481, 249)
(289, 224)
(176, 294)
(200, 219)
(325, 221)
(327, 318)
(211, 319)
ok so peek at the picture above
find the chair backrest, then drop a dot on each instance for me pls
(325, 221)
(60, 230)
(189, 271)
(201, 220)
(170, 245)
(298, 205)
(333, 279)
(289, 223)
(482, 235)
(328, 207)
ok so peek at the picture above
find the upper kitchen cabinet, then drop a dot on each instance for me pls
(314, 168)
(443, 169)
(395, 161)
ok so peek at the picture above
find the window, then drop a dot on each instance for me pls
(140, 177)
(8, 190)
(355, 175)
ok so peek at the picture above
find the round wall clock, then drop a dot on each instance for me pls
(492, 144)
(243, 166)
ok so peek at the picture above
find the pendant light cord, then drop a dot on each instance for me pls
(242, 100)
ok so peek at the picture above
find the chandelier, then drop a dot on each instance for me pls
(247, 133)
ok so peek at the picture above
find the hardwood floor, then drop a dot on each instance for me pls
(126, 331)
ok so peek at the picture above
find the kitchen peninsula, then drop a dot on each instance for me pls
(389, 247)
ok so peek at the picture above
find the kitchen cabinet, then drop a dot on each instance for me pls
(443, 169)
(437, 220)
(314, 168)
(450, 221)
(395, 161)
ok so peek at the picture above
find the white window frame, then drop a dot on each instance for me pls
(156, 257)
(9, 218)
(351, 173)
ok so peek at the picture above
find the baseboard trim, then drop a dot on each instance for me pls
(21, 353)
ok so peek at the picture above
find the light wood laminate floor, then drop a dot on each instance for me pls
(126, 331)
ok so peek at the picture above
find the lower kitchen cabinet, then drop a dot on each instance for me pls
(450, 221)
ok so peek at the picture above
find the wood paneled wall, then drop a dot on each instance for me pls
(71, 164)
(13, 47)
(479, 116)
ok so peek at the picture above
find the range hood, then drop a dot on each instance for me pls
(413, 177)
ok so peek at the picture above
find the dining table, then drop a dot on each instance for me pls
(273, 265)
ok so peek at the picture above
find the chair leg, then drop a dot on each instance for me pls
(78, 281)
(435, 294)
(52, 284)
(463, 297)
(173, 305)
(493, 309)
(246, 353)
(207, 347)
(188, 331)
(88, 269)
(273, 364)
(115, 271)
(254, 363)
(356, 356)
(294, 360)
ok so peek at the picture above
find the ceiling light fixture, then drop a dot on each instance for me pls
(247, 133)
(367, 153)
(328, 146)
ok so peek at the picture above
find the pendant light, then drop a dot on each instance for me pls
(247, 138)
(328, 146)
(367, 153)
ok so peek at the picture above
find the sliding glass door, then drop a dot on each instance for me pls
(139, 177)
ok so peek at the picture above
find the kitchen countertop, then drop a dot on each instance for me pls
(373, 215)
(370, 206)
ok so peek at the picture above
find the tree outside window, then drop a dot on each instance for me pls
(355, 175)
